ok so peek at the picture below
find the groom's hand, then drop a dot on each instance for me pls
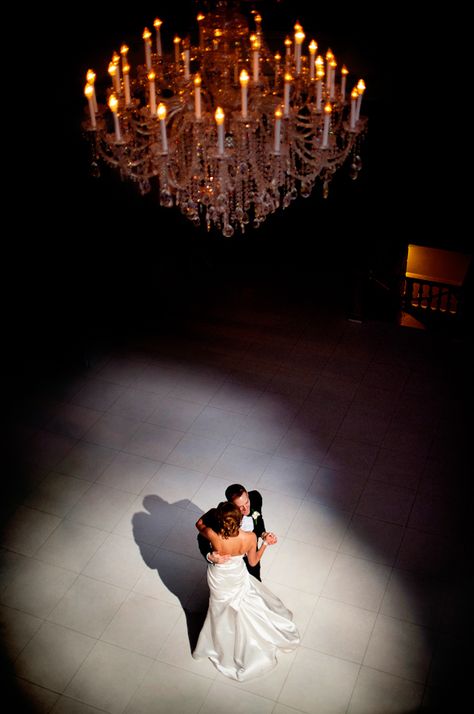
(269, 538)
(216, 558)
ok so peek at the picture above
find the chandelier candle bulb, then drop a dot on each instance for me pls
(197, 97)
(90, 77)
(116, 61)
(161, 113)
(126, 84)
(332, 90)
(157, 23)
(277, 67)
(313, 46)
(277, 133)
(219, 117)
(146, 38)
(200, 18)
(354, 98)
(360, 91)
(113, 73)
(288, 53)
(255, 56)
(186, 64)
(124, 52)
(297, 28)
(329, 57)
(89, 92)
(327, 120)
(286, 94)
(299, 37)
(319, 93)
(113, 106)
(344, 73)
(118, 87)
(177, 52)
(151, 86)
(244, 80)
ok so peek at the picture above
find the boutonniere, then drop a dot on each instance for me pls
(255, 515)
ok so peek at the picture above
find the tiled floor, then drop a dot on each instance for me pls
(354, 434)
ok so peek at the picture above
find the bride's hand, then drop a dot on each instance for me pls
(217, 559)
(269, 538)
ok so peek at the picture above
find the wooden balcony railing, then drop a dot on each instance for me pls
(429, 300)
(434, 287)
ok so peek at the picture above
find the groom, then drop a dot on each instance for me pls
(250, 505)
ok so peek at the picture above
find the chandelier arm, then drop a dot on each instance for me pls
(128, 161)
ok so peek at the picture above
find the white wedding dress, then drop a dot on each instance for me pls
(245, 625)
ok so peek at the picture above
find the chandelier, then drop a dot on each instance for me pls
(227, 130)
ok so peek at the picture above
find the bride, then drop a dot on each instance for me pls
(246, 623)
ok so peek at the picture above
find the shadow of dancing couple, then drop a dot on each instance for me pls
(234, 620)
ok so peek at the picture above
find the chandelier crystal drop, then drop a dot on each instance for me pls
(227, 130)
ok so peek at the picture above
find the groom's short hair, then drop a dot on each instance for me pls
(234, 491)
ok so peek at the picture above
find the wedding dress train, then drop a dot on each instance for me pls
(245, 625)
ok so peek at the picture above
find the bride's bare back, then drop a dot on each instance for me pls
(229, 539)
(244, 543)
(240, 544)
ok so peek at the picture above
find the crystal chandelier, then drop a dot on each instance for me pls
(228, 131)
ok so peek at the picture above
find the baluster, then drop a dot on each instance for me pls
(430, 297)
(409, 296)
(448, 299)
(454, 302)
(442, 299)
(424, 295)
(420, 294)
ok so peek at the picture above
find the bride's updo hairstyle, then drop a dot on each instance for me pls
(229, 519)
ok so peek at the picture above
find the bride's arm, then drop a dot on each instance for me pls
(207, 523)
(214, 556)
(205, 530)
(254, 555)
(210, 535)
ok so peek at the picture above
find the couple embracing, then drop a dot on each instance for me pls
(246, 623)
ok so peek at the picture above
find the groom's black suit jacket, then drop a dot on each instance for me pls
(258, 528)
